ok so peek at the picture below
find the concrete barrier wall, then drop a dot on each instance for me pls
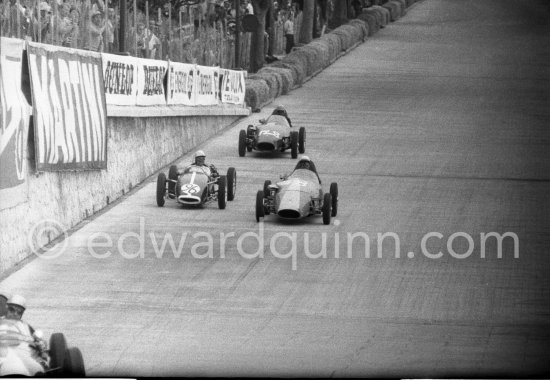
(137, 147)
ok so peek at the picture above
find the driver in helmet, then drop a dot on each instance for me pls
(306, 163)
(16, 306)
(281, 111)
(200, 160)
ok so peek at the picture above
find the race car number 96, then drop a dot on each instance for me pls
(190, 188)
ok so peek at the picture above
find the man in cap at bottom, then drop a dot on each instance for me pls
(16, 307)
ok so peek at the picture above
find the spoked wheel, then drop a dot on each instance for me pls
(327, 203)
(161, 189)
(74, 363)
(294, 144)
(242, 143)
(58, 346)
(266, 193)
(250, 135)
(172, 176)
(231, 183)
(302, 140)
(259, 205)
(221, 192)
(334, 195)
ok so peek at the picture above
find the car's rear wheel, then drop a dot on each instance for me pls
(294, 144)
(242, 143)
(334, 195)
(327, 202)
(172, 176)
(302, 140)
(74, 363)
(221, 191)
(161, 189)
(250, 135)
(260, 212)
(231, 183)
(58, 346)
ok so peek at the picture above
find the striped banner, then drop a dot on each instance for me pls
(15, 114)
(69, 108)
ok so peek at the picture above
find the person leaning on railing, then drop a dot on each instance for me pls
(97, 27)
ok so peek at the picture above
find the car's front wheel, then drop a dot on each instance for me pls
(231, 183)
(260, 212)
(327, 203)
(242, 143)
(161, 189)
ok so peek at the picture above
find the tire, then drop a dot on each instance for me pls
(231, 183)
(334, 195)
(302, 140)
(259, 205)
(294, 144)
(161, 189)
(172, 175)
(74, 363)
(327, 202)
(242, 143)
(57, 348)
(250, 135)
(221, 192)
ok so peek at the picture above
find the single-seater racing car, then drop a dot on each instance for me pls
(298, 195)
(20, 356)
(196, 185)
(273, 135)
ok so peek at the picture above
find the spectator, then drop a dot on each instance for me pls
(97, 28)
(43, 31)
(63, 26)
(289, 32)
(110, 29)
(152, 42)
(249, 10)
(75, 32)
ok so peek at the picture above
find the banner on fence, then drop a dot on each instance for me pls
(69, 108)
(207, 85)
(15, 114)
(120, 75)
(151, 82)
(232, 88)
(181, 84)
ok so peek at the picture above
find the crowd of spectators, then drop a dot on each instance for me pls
(200, 33)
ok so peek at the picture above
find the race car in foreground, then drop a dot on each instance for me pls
(196, 186)
(299, 195)
(19, 355)
(272, 135)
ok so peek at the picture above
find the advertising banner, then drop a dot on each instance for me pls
(207, 86)
(151, 82)
(232, 86)
(181, 84)
(70, 123)
(15, 114)
(120, 76)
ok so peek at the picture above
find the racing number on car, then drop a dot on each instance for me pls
(190, 188)
(271, 133)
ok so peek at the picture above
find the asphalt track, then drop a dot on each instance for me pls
(438, 123)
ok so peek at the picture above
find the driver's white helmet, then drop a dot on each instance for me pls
(305, 158)
(17, 300)
(199, 153)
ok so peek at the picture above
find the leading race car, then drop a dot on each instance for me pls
(299, 195)
(196, 185)
(273, 135)
(19, 355)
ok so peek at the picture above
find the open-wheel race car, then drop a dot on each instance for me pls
(273, 135)
(297, 196)
(196, 185)
(19, 355)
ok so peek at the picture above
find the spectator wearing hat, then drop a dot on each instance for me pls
(44, 30)
(96, 30)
